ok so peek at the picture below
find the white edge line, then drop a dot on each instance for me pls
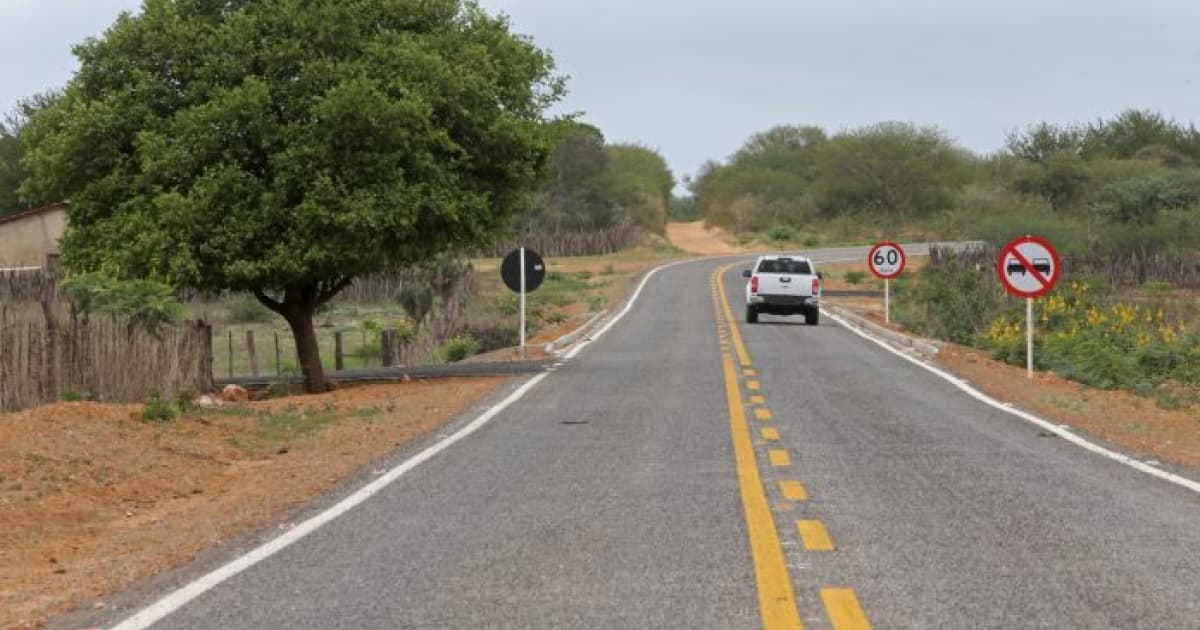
(179, 598)
(1056, 429)
(589, 339)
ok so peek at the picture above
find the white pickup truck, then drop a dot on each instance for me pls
(783, 285)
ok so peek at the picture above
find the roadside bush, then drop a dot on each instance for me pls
(494, 336)
(157, 408)
(781, 233)
(185, 400)
(460, 348)
(953, 300)
(246, 309)
(1122, 345)
(854, 277)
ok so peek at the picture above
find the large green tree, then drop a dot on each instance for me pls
(573, 193)
(12, 153)
(285, 147)
(765, 183)
(641, 183)
(892, 172)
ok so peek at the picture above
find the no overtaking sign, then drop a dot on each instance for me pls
(1029, 267)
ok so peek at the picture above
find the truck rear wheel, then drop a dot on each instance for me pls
(751, 315)
(812, 318)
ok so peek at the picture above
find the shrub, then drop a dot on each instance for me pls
(557, 317)
(954, 300)
(185, 400)
(157, 408)
(1122, 345)
(1157, 287)
(494, 336)
(781, 233)
(812, 240)
(854, 277)
(459, 348)
(72, 395)
(146, 304)
(246, 309)
(282, 390)
(596, 302)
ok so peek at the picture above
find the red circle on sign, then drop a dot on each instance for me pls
(899, 269)
(1029, 266)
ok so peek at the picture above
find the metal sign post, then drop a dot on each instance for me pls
(522, 302)
(523, 271)
(887, 260)
(1029, 337)
(887, 300)
(1029, 267)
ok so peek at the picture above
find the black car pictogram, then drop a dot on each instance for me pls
(1042, 265)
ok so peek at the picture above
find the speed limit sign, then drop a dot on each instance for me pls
(886, 260)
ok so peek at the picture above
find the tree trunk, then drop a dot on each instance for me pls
(309, 353)
(297, 306)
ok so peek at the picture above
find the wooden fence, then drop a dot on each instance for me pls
(593, 243)
(98, 358)
(1123, 270)
(27, 285)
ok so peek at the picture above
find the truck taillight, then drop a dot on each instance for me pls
(754, 284)
(816, 286)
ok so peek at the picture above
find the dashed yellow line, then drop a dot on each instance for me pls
(738, 346)
(813, 536)
(776, 600)
(775, 596)
(841, 606)
(793, 490)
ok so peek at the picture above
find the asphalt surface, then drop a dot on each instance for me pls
(608, 497)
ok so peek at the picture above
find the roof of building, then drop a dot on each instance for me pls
(24, 214)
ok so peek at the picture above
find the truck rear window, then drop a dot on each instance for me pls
(784, 265)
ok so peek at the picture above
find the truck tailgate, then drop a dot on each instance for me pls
(798, 285)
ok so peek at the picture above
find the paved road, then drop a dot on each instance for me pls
(682, 473)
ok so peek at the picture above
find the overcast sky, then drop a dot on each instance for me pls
(695, 78)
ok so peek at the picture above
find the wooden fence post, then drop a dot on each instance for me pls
(230, 354)
(253, 354)
(339, 357)
(278, 367)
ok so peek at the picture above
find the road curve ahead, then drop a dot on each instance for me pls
(688, 471)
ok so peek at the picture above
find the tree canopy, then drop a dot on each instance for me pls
(589, 184)
(12, 153)
(284, 147)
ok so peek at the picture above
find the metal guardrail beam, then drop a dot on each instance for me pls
(384, 375)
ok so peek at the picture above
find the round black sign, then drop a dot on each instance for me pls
(535, 270)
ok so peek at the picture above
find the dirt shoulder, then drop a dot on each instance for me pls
(1134, 424)
(93, 498)
(695, 238)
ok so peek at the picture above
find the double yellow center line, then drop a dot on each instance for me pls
(776, 598)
